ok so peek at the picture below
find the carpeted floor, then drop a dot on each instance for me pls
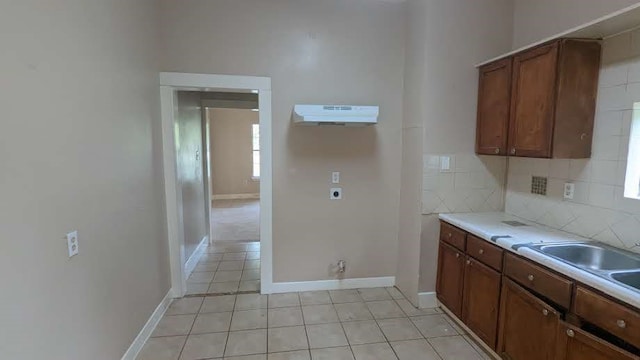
(234, 220)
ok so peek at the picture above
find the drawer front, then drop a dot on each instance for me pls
(554, 287)
(452, 235)
(484, 252)
(608, 315)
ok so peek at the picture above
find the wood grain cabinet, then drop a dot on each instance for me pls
(575, 344)
(450, 277)
(528, 326)
(552, 96)
(481, 300)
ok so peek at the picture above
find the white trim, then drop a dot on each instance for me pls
(427, 300)
(190, 264)
(284, 287)
(470, 332)
(147, 329)
(235, 196)
(169, 84)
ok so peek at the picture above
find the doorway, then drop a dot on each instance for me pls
(240, 220)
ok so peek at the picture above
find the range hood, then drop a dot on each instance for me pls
(343, 115)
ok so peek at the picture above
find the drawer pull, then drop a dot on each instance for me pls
(530, 277)
(449, 235)
(468, 262)
(621, 324)
(570, 333)
(545, 312)
(457, 255)
(481, 251)
(497, 150)
(513, 151)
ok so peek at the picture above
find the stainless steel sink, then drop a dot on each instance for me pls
(629, 278)
(592, 256)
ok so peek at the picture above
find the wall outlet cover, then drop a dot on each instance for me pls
(72, 243)
(335, 194)
(335, 177)
(569, 190)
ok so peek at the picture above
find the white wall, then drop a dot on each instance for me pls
(330, 51)
(84, 155)
(599, 209)
(536, 20)
(445, 39)
(190, 156)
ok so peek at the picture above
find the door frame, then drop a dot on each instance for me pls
(170, 83)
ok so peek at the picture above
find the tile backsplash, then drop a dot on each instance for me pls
(598, 209)
(471, 184)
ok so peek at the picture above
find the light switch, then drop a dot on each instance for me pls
(335, 177)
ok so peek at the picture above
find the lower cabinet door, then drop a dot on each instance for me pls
(450, 278)
(481, 300)
(528, 326)
(575, 344)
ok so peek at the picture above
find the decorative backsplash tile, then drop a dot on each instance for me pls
(598, 210)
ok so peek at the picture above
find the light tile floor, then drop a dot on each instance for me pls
(365, 324)
(227, 268)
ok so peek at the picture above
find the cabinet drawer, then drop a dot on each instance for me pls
(452, 235)
(554, 287)
(485, 252)
(608, 315)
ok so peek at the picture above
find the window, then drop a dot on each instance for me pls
(632, 178)
(255, 129)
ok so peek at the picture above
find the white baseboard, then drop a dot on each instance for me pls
(284, 287)
(148, 328)
(427, 300)
(235, 196)
(475, 337)
(190, 265)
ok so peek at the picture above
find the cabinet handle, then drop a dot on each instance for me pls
(481, 251)
(449, 235)
(545, 312)
(621, 324)
(513, 151)
(468, 262)
(497, 151)
(570, 333)
(457, 255)
(530, 277)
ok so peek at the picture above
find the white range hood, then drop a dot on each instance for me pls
(343, 115)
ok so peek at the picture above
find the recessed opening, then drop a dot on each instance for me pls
(632, 176)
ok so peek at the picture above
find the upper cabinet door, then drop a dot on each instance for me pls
(533, 105)
(494, 102)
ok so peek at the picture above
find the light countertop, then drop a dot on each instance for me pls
(492, 227)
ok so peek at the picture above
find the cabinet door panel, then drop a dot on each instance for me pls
(481, 299)
(533, 104)
(528, 326)
(494, 102)
(450, 278)
(575, 344)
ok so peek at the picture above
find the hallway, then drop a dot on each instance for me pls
(233, 220)
(363, 324)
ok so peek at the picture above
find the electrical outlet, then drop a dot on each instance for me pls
(335, 177)
(335, 194)
(569, 190)
(72, 243)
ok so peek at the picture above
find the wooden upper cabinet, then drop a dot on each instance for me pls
(576, 344)
(551, 91)
(450, 278)
(494, 101)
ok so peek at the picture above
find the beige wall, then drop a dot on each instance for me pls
(190, 164)
(330, 51)
(599, 209)
(86, 156)
(231, 151)
(536, 20)
(446, 38)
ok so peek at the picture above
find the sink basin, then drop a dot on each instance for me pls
(631, 278)
(593, 256)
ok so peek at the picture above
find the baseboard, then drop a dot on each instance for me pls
(427, 300)
(284, 287)
(235, 196)
(489, 351)
(148, 328)
(190, 265)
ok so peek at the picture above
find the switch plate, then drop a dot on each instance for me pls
(335, 177)
(72, 243)
(335, 194)
(569, 190)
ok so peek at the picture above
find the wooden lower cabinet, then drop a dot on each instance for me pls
(528, 326)
(450, 278)
(575, 344)
(481, 300)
